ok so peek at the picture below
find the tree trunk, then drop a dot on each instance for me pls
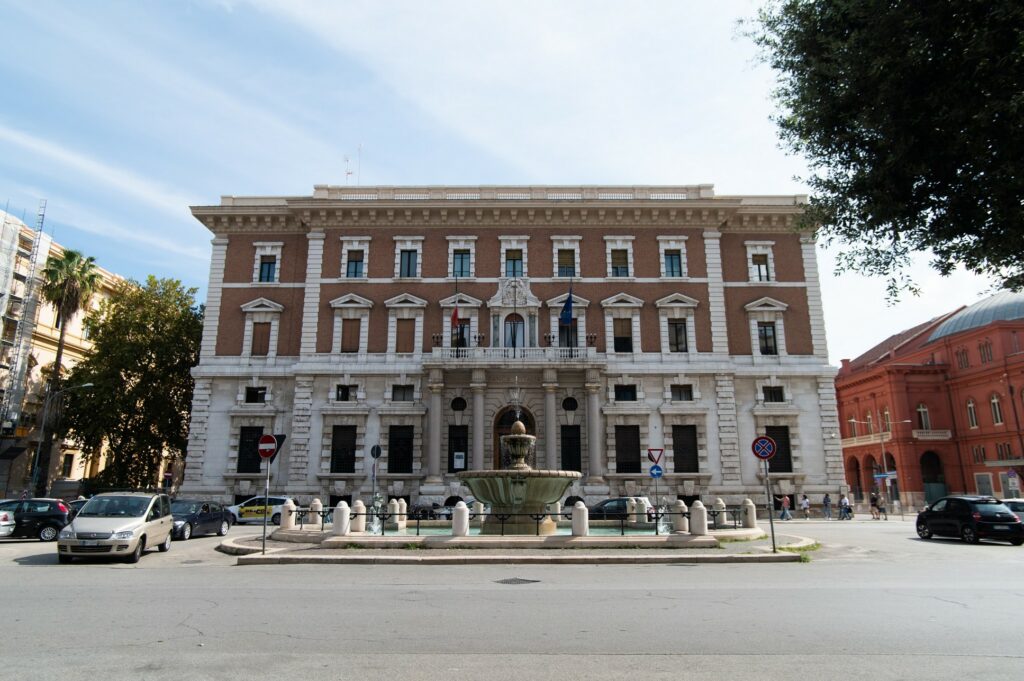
(41, 482)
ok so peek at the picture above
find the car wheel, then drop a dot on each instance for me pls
(62, 559)
(166, 545)
(1017, 542)
(134, 556)
(224, 527)
(968, 534)
(275, 519)
(922, 531)
(47, 533)
(186, 531)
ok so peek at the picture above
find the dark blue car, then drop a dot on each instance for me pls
(194, 516)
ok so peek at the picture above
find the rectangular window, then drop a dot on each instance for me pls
(354, 269)
(677, 336)
(997, 411)
(983, 483)
(625, 393)
(567, 335)
(782, 462)
(766, 338)
(773, 393)
(268, 264)
(260, 339)
(460, 334)
(460, 263)
(345, 393)
(248, 453)
(458, 448)
(400, 449)
(405, 335)
(623, 330)
(627, 449)
(673, 263)
(682, 393)
(350, 332)
(760, 261)
(67, 465)
(620, 262)
(566, 262)
(343, 449)
(513, 262)
(684, 449)
(407, 264)
(571, 452)
(402, 393)
(256, 395)
(972, 415)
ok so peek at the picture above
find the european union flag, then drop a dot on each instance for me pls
(565, 316)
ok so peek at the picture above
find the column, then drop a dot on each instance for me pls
(311, 303)
(550, 426)
(595, 434)
(434, 443)
(197, 434)
(478, 385)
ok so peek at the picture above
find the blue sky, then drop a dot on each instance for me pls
(123, 113)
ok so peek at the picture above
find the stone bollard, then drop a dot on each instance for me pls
(749, 513)
(698, 519)
(555, 509)
(392, 521)
(478, 511)
(680, 522)
(631, 511)
(359, 522)
(288, 516)
(403, 514)
(342, 519)
(315, 508)
(460, 520)
(580, 520)
(641, 511)
(721, 516)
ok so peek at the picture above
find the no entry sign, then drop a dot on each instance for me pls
(764, 447)
(267, 446)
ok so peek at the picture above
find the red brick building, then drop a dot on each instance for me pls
(937, 409)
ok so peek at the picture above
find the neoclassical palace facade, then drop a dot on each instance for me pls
(611, 320)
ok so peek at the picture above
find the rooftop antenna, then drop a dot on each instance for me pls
(347, 171)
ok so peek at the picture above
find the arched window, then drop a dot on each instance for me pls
(886, 420)
(853, 427)
(924, 421)
(997, 410)
(870, 423)
(515, 336)
(972, 415)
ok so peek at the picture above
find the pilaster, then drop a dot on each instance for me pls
(814, 307)
(298, 450)
(728, 433)
(211, 318)
(311, 302)
(716, 292)
(197, 434)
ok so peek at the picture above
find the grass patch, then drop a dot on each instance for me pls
(803, 551)
(735, 540)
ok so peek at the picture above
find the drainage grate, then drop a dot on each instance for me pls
(516, 580)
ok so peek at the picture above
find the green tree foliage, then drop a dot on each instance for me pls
(146, 341)
(910, 115)
(69, 281)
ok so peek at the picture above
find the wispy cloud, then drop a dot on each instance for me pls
(168, 200)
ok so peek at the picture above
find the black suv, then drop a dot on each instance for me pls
(971, 518)
(43, 518)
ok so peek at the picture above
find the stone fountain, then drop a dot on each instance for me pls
(518, 489)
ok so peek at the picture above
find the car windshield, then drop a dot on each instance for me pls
(184, 507)
(115, 507)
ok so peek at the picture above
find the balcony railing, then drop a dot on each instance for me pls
(932, 434)
(530, 354)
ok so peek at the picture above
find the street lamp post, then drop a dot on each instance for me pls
(885, 464)
(38, 474)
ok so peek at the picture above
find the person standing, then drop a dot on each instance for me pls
(826, 507)
(874, 507)
(881, 507)
(785, 503)
(805, 506)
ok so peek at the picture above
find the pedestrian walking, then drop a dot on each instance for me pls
(874, 507)
(826, 507)
(805, 506)
(845, 512)
(881, 507)
(784, 501)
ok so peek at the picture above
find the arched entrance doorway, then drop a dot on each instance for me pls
(853, 478)
(932, 478)
(893, 483)
(869, 470)
(503, 426)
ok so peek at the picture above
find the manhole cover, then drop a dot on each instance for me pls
(517, 580)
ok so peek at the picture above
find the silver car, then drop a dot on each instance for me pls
(6, 523)
(122, 524)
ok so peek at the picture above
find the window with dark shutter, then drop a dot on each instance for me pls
(350, 331)
(684, 449)
(249, 460)
(260, 339)
(627, 449)
(623, 330)
(400, 449)
(343, 449)
(782, 462)
(405, 335)
(458, 442)
(571, 453)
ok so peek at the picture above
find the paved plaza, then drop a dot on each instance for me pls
(874, 601)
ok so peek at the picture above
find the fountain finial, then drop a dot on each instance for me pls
(518, 428)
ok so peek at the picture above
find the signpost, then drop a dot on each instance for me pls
(764, 448)
(1013, 482)
(654, 456)
(267, 447)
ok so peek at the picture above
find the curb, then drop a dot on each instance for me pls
(510, 559)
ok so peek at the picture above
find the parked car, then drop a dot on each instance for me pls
(76, 505)
(194, 516)
(613, 509)
(425, 511)
(971, 518)
(118, 524)
(6, 523)
(42, 518)
(253, 510)
(1017, 506)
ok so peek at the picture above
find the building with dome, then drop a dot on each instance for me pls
(419, 322)
(937, 409)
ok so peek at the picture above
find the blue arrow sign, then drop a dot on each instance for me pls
(656, 471)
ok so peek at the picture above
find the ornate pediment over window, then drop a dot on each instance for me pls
(766, 305)
(514, 292)
(262, 305)
(405, 300)
(622, 300)
(676, 300)
(460, 299)
(351, 300)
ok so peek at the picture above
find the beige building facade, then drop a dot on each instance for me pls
(424, 319)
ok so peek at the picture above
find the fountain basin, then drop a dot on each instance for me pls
(518, 492)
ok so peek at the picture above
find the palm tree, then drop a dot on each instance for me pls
(69, 281)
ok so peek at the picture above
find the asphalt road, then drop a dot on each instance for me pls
(874, 603)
